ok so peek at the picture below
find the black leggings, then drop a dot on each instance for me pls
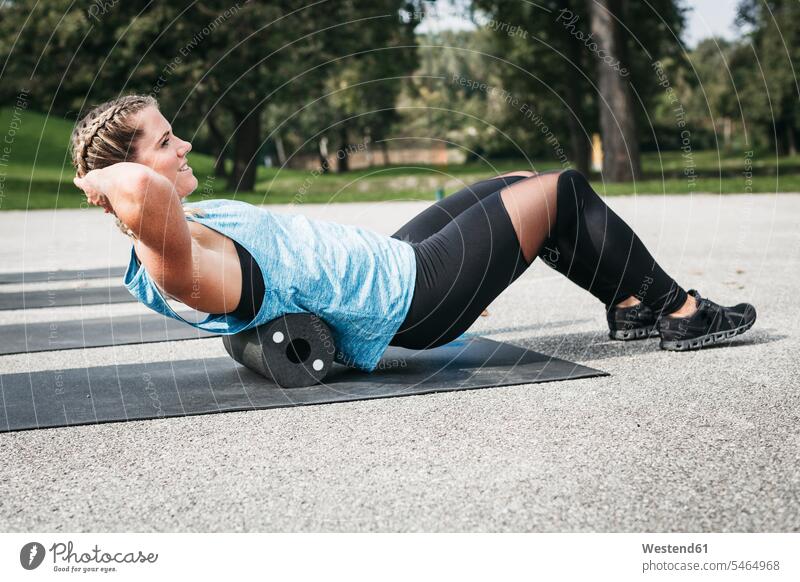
(467, 253)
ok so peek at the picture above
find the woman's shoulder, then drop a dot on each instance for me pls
(218, 203)
(220, 209)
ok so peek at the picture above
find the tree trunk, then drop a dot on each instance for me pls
(727, 131)
(245, 149)
(790, 139)
(621, 161)
(280, 150)
(323, 155)
(385, 152)
(219, 148)
(575, 88)
(579, 144)
(342, 161)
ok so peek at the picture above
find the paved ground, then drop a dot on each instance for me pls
(705, 441)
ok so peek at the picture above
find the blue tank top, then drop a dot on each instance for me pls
(360, 282)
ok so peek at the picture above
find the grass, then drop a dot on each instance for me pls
(35, 173)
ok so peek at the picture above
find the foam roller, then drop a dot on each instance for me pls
(294, 350)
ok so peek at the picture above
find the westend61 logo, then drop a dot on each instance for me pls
(32, 555)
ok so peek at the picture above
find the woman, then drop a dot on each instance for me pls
(420, 288)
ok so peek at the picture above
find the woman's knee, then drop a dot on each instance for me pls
(575, 178)
(574, 185)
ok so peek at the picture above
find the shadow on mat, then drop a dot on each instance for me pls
(585, 346)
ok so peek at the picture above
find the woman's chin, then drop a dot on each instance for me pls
(189, 187)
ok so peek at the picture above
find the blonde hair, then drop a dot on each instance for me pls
(106, 136)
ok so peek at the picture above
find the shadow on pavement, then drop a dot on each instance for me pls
(584, 346)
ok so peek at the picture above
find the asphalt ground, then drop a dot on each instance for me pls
(699, 441)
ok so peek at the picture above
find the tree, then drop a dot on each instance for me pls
(558, 61)
(214, 65)
(772, 91)
(242, 59)
(53, 48)
(377, 52)
(621, 162)
(535, 39)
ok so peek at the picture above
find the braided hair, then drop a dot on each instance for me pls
(105, 136)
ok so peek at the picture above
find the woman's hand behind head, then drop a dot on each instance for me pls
(92, 187)
(110, 186)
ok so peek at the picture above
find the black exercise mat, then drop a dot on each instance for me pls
(188, 387)
(65, 297)
(62, 275)
(94, 333)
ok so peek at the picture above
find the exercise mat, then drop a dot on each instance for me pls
(181, 388)
(61, 275)
(98, 332)
(65, 297)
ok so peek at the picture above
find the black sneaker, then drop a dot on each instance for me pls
(710, 324)
(631, 323)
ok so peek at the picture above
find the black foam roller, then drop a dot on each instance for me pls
(295, 350)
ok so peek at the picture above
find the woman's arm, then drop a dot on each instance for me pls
(146, 202)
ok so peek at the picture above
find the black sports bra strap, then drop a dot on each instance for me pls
(252, 286)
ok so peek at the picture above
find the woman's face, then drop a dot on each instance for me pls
(164, 152)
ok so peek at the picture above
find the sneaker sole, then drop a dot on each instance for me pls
(704, 340)
(638, 333)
